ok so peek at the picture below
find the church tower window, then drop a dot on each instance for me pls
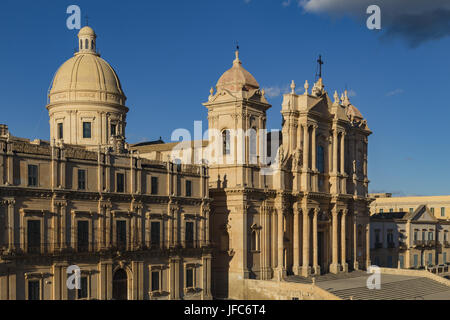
(226, 142)
(87, 134)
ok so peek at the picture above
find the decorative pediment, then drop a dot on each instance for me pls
(423, 214)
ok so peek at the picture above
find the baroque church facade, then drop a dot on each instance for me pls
(304, 212)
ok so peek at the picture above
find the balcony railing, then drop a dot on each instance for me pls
(47, 249)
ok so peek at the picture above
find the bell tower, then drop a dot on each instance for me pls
(237, 123)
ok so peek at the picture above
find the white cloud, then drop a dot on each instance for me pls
(416, 21)
(394, 92)
(276, 91)
(351, 93)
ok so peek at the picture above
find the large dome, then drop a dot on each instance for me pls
(86, 76)
(237, 78)
(86, 73)
(86, 102)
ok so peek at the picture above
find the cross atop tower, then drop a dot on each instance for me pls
(319, 67)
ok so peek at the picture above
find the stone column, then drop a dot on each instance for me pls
(315, 244)
(281, 268)
(335, 152)
(11, 225)
(314, 149)
(206, 277)
(306, 147)
(367, 246)
(296, 237)
(306, 270)
(342, 170)
(314, 180)
(355, 242)
(343, 241)
(334, 267)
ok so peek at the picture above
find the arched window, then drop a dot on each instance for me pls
(252, 147)
(92, 45)
(86, 44)
(254, 239)
(81, 44)
(226, 148)
(254, 243)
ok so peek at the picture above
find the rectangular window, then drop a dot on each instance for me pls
(411, 210)
(60, 131)
(416, 261)
(32, 175)
(189, 278)
(83, 291)
(445, 236)
(155, 233)
(120, 182)
(34, 236)
(81, 179)
(391, 210)
(87, 130)
(121, 229)
(155, 281)
(381, 210)
(442, 212)
(416, 236)
(83, 236)
(154, 185)
(189, 233)
(402, 261)
(444, 257)
(432, 210)
(430, 259)
(424, 235)
(430, 236)
(34, 290)
(400, 210)
(113, 130)
(188, 188)
(390, 236)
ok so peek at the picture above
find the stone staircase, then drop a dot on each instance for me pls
(397, 288)
(412, 289)
(326, 277)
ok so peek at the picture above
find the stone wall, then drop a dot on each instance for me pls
(276, 290)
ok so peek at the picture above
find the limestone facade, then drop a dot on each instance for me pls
(306, 211)
(409, 240)
(439, 206)
(136, 228)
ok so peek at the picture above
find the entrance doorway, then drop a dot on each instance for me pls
(120, 285)
(321, 251)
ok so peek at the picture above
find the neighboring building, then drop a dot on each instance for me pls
(137, 228)
(306, 213)
(409, 239)
(384, 202)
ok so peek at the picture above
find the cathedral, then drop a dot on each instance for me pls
(143, 224)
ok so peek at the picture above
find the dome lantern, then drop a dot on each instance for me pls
(87, 40)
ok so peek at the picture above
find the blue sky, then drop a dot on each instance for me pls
(168, 54)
